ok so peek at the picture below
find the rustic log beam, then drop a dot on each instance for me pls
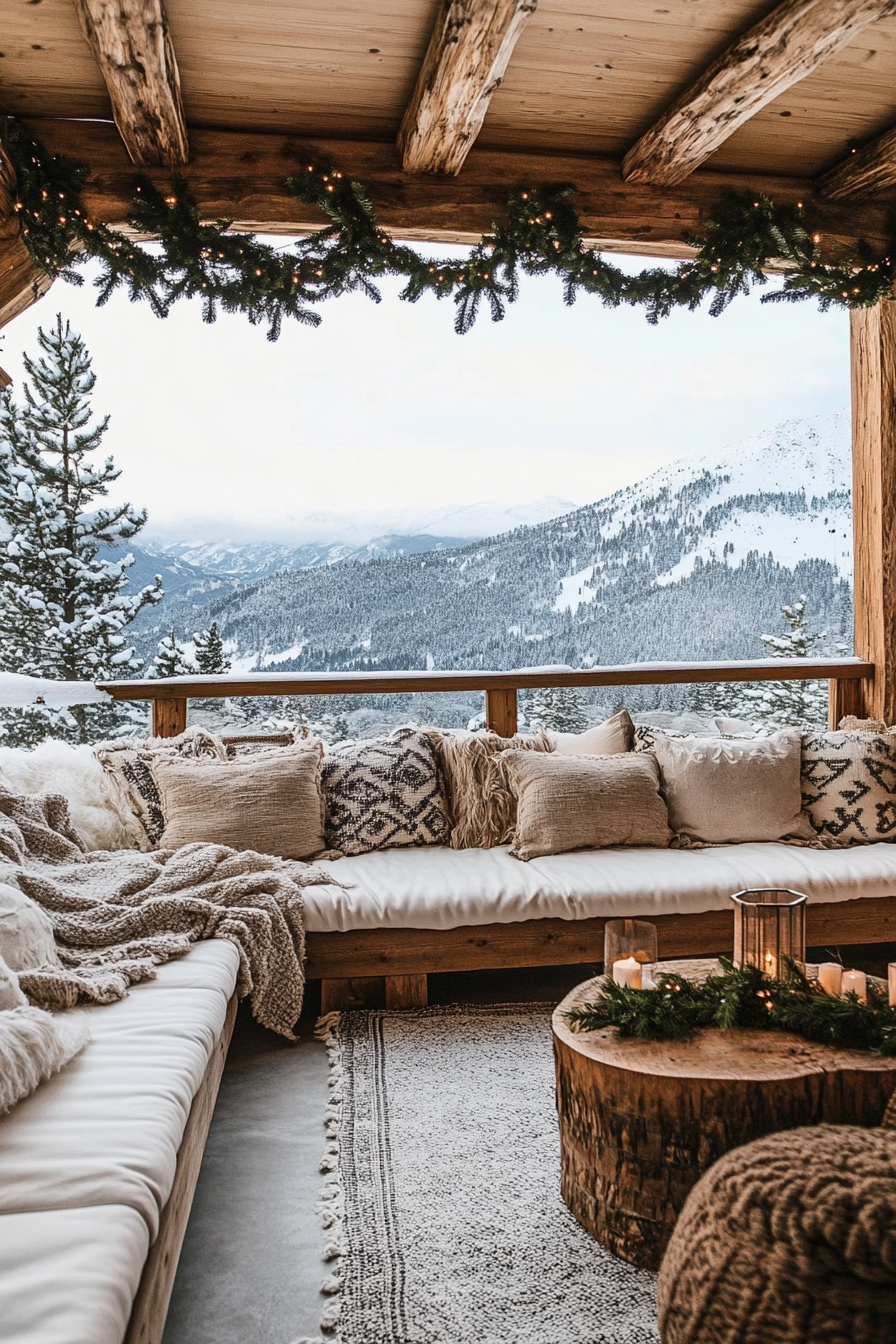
(468, 53)
(21, 283)
(242, 177)
(133, 49)
(866, 170)
(873, 342)
(788, 44)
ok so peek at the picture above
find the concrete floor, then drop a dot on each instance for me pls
(250, 1270)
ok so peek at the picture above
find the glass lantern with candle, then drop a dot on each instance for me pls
(629, 945)
(770, 929)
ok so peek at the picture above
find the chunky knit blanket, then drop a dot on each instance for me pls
(117, 915)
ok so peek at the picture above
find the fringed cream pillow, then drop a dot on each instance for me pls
(483, 806)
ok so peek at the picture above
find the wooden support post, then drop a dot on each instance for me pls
(845, 697)
(406, 991)
(873, 346)
(362, 991)
(500, 712)
(169, 717)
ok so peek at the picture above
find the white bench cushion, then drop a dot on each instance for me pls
(437, 888)
(69, 1276)
(106, 1130)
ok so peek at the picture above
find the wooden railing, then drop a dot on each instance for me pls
(849, 678)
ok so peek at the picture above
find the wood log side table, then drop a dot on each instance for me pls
(640, 1121)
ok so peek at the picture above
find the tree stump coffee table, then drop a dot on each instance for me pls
(640, 1121)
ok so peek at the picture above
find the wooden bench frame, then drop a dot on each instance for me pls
(370, 964)
(147, 1323)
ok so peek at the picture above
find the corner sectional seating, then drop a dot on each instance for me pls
(98, 1166)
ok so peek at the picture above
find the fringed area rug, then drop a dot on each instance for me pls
(442, 1200)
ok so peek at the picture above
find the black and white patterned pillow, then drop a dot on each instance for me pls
(849, 785)
(384, 794)
(128, 763)
(646, 734)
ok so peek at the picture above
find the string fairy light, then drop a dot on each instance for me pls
(540, 235)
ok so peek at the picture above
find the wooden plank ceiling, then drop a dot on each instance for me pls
(585, 77)
(441, 106)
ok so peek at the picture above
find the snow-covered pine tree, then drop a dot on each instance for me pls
(785, 704)
(561, 708)
(209, 649)
(63, 604)
(171, 659)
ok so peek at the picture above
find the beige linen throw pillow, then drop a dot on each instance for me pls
(614, 735)
(723, 791)
(271, 805)
(584, 802)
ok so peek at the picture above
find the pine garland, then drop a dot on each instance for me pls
(541, 235)
(739, 999)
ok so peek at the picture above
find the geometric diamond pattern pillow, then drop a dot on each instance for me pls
(384, 794)
(849, 785)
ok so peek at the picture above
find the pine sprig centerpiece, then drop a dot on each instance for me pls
(541, 235)
(742, 998)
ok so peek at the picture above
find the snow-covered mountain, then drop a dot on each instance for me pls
(693, 562)
(247, 561)
(362, 536)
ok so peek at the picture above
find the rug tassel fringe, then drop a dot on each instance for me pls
(331, 1201)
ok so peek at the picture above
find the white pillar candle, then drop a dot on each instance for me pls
(830, 974)
(891, 976)
(627, 972)
(854, 982)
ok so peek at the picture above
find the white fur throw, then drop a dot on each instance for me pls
(33, 1046)
(57, 767)
(11, 995)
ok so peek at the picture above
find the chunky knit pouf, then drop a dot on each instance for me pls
(788, 1240)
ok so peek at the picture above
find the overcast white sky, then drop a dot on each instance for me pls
(221, 434)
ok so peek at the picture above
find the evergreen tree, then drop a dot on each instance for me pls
(171, 659)
(63, 604)
(209, 648)
(560, 708)
(785, 704)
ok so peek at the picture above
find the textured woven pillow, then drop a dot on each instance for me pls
(727, 790)
(33, 1046)
(609, 738)
(272, 806)
(584, 802)
(849, 785)
(481, 802)
(129, 764)
(384, 794)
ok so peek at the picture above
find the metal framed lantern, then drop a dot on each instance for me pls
(769, 929)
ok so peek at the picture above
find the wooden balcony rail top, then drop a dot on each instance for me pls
(848, 677)
(391, 683)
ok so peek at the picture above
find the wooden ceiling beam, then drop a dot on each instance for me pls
(866, 171)
(788, 44)
(21, 283)
(468, 54)
(133, 49)
(242, 177)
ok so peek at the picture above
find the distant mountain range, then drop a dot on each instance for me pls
(693, 562)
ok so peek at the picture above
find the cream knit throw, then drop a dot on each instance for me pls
(117, 915)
